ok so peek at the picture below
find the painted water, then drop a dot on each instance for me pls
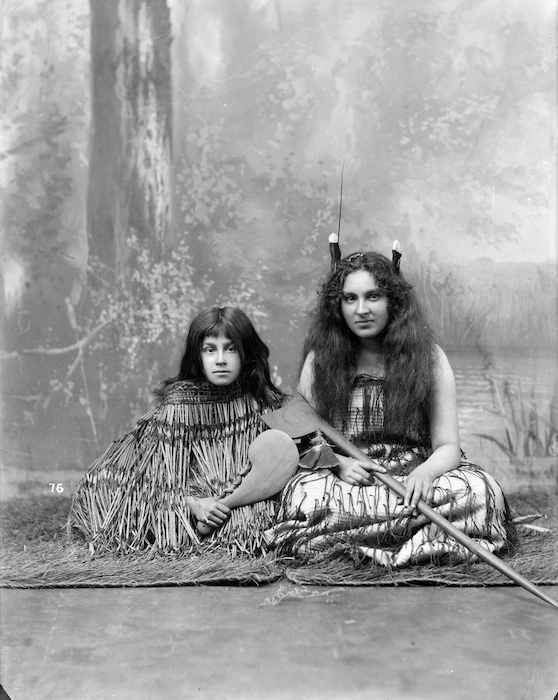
(37, 461)
(534, 373)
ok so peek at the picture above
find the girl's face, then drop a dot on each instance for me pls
(220, 360)
(364, 306)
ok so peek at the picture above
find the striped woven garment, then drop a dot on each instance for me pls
(322, 514)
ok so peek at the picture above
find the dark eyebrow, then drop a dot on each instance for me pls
(374, 290)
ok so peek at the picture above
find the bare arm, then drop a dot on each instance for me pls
(307, 379)
(444, 435)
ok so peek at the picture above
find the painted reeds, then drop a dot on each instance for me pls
(528, 431)
(509, 304)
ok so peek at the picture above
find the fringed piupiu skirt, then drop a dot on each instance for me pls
(319, 513)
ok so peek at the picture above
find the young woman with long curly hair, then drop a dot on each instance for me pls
(372, 369)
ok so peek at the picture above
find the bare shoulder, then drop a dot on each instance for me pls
(442, 367)
(309, 362)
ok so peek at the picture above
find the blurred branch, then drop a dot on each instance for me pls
(21, 146)
(78, 345)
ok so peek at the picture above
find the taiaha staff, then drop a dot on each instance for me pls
(298, 418)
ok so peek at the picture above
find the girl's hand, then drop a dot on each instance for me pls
(357, 473)
(420, 485)
(209, 510)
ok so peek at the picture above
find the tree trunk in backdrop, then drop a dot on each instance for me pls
(130, 164)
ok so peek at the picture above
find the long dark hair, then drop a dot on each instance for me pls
(235, 325)
(408, 344)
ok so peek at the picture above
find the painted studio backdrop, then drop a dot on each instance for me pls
(160, 157)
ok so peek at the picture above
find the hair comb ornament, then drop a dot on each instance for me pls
(396, 255)
(354, 256)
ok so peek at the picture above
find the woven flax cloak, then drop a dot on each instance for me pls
(195, 443)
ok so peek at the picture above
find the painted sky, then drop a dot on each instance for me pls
(443, 114)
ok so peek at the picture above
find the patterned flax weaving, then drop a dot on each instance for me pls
(321, 515)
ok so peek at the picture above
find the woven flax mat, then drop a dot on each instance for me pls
(37, 553)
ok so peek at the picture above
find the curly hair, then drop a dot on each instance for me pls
(235, 325)
(408, 346)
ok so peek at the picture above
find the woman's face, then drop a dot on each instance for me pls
(364, 306)
(220, 360)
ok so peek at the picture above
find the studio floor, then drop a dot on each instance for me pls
(279, 642)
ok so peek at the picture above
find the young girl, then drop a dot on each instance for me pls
(152, 486)
(372, 370)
